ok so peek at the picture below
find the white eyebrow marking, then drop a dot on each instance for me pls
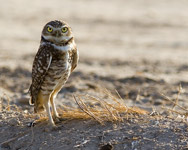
(58, 39)
(54, 29)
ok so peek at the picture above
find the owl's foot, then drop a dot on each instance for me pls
(58, 119)
(50, 128)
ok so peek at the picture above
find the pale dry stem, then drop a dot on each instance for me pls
(175, 103)
(185, 111)
(177, 98)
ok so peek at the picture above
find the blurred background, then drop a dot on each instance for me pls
(121, 29)
(138, 48)
(117, 39)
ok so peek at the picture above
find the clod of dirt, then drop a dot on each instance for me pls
(107, 147)
(14, 122)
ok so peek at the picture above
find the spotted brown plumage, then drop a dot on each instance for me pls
(56, 58)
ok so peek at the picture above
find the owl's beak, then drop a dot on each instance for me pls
(57, 33)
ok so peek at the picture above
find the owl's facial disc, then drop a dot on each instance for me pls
(57, 35)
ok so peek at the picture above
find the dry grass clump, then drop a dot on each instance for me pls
(101, 110)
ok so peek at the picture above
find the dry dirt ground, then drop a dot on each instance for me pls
(138, 48)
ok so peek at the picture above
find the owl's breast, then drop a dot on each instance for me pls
(57, 73)
(60, 65)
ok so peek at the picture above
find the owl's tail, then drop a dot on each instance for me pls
(39, 103)
(38, 108)
(36, 100)
(31, 101)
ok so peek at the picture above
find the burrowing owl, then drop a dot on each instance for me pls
(56, 58)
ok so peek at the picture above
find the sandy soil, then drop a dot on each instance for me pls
(138, 48)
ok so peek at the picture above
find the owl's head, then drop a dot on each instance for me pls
(57, 32)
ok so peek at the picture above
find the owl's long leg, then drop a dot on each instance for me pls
(52, 97)
(46, 102)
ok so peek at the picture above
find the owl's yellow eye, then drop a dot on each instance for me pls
(64, 29)
(49, 29)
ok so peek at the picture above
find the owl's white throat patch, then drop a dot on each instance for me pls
(64, 48)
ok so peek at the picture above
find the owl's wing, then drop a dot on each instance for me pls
(75, 58)
(41, 65)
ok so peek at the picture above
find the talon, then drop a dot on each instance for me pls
(51, 127)
(58, 119)
(55, 128)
